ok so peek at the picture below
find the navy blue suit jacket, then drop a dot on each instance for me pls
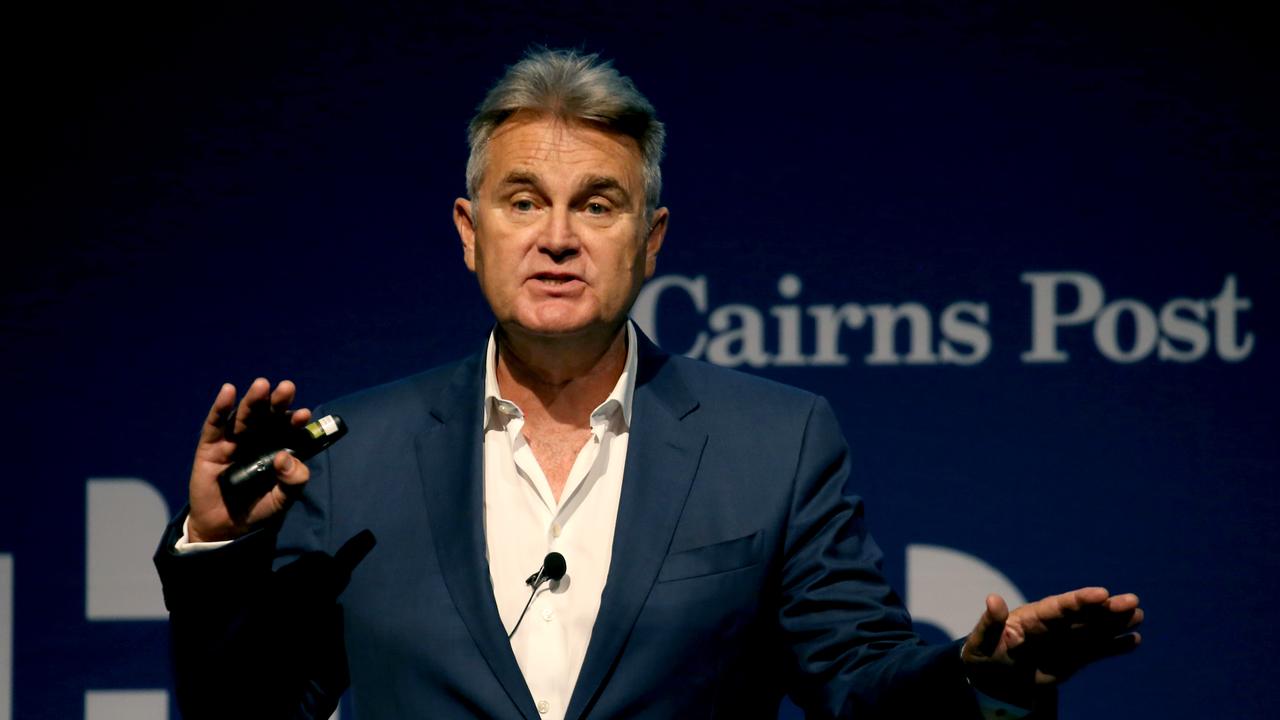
(741, 571)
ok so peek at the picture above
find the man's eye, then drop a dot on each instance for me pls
(596, 208)
(522, 206)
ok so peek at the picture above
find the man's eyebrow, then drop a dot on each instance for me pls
(520, 177)
(604, 184)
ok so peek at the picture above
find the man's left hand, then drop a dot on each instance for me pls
(1011, 654)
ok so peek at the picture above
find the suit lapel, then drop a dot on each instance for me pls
(662, 459)
(455, 502)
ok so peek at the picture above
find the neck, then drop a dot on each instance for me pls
(561, 379)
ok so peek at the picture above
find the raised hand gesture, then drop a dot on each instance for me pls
(213, 516)
(1011, 654)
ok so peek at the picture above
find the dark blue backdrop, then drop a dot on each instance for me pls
(183, 183)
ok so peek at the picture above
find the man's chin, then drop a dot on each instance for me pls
(562, 328)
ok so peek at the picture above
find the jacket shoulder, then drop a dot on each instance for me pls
(410, 398)
(751, 397)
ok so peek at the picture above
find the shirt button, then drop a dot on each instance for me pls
(544, 707)
(546, 614)
(555, 529)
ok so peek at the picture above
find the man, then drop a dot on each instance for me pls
(713, 562)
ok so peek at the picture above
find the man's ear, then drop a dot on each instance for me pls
(653, 241)
(465, 222)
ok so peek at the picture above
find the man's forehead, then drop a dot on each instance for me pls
(527, 145)
(558, 124)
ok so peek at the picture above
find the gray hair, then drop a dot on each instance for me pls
(569, 86)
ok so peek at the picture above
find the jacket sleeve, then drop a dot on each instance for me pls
(250, 640)
(853, 652)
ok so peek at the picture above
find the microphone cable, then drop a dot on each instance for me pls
(553, 567)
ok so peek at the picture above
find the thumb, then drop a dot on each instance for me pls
(990, 628)
(290, 470)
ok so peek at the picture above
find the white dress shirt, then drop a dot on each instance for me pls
(523, 522)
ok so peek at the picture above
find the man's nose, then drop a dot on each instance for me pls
(559, 238)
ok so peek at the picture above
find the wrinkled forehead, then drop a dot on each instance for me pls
(534, 143)
(565, 123)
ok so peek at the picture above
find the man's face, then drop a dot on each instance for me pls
(556, 234)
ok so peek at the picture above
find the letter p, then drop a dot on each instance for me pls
(1045, 317)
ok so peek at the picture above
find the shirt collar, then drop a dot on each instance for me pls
(621, 397)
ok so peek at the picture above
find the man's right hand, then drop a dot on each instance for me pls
(211, 518)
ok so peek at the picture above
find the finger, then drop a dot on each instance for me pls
(300, 417)
(990, 628)
(1122, 603)
(1118, 614)
(1136, 619)
(1081, 600)
(1080, 655)
(1064, 650)
(1106, 629)
(1126, 643)
(290, 471)
(282, 396)
(253, 397)
(1062, 610)
(1117, 620)
(292, 475)
(214, 428)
